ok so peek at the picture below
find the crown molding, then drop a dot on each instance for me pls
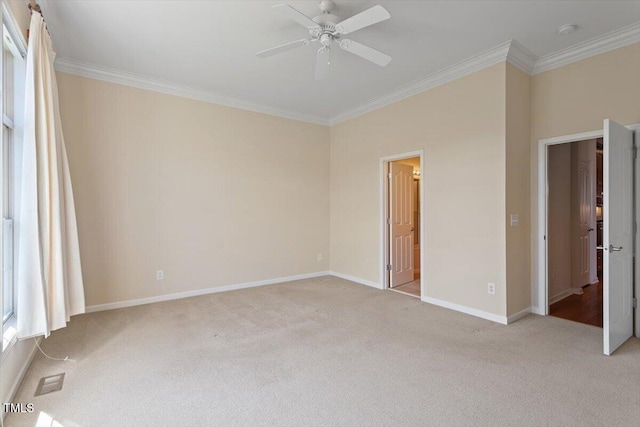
(139, 81)
(521, 57)
(476, 63)
(510, 51)
(605, 43)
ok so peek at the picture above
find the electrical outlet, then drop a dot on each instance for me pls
(159, 275)
(319, 257)
(491, 288)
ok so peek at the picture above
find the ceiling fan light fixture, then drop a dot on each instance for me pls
(327, 28)
(326, 39)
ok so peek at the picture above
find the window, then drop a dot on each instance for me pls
(12, 69)
(6, 168)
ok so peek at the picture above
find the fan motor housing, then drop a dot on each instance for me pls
(326, 28)
(326, 19)
(327, 22)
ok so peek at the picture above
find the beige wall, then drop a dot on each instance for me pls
(211, 195)
(577, 98)
(138, 157)
(461, 128)
(559, 206)
(518, 246)
(21, 14)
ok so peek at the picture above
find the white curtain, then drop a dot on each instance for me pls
(49, 277)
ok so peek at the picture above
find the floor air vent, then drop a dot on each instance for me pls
(50, 384)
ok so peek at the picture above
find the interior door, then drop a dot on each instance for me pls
(585, 229)
(401, 223)
(618, 235)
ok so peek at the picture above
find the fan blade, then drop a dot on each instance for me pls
(297, 16)
(322, 63)
(282, 48)
(363, 19)
(365, 52)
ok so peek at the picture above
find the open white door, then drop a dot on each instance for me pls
(617, 235)
(401, 227)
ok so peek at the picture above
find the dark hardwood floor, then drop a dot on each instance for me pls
(585, 308)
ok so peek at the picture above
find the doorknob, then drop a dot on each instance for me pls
(591, 229)
(413, 229)
(615, 248)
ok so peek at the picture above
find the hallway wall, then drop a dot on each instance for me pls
(559, 225)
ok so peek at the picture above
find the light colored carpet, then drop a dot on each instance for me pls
(329, 352)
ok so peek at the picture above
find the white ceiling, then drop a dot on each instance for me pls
(211, 45)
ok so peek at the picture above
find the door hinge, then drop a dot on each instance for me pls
(635, 153)
(635, 302)
(388, 267)
(388, 221)
(389, 175)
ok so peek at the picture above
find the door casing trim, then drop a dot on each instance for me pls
(539, 290)
(384, 230)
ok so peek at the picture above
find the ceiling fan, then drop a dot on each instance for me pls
(329, 31)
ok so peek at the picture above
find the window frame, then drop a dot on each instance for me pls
(6, 170)
(14, 43)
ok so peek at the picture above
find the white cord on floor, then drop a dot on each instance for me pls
(66, 359)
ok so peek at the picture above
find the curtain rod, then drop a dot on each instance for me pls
(34, 6)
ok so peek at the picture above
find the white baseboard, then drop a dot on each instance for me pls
(446, 304)
(356, 279)
(23, 370)
(467, 310)
(519, 315)
(562, 295)
(180, 295)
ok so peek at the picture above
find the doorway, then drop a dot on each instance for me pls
(402, 210)
(620, 207)
(575, 218)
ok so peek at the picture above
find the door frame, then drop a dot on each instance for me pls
(384, 229)
(539, 290)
